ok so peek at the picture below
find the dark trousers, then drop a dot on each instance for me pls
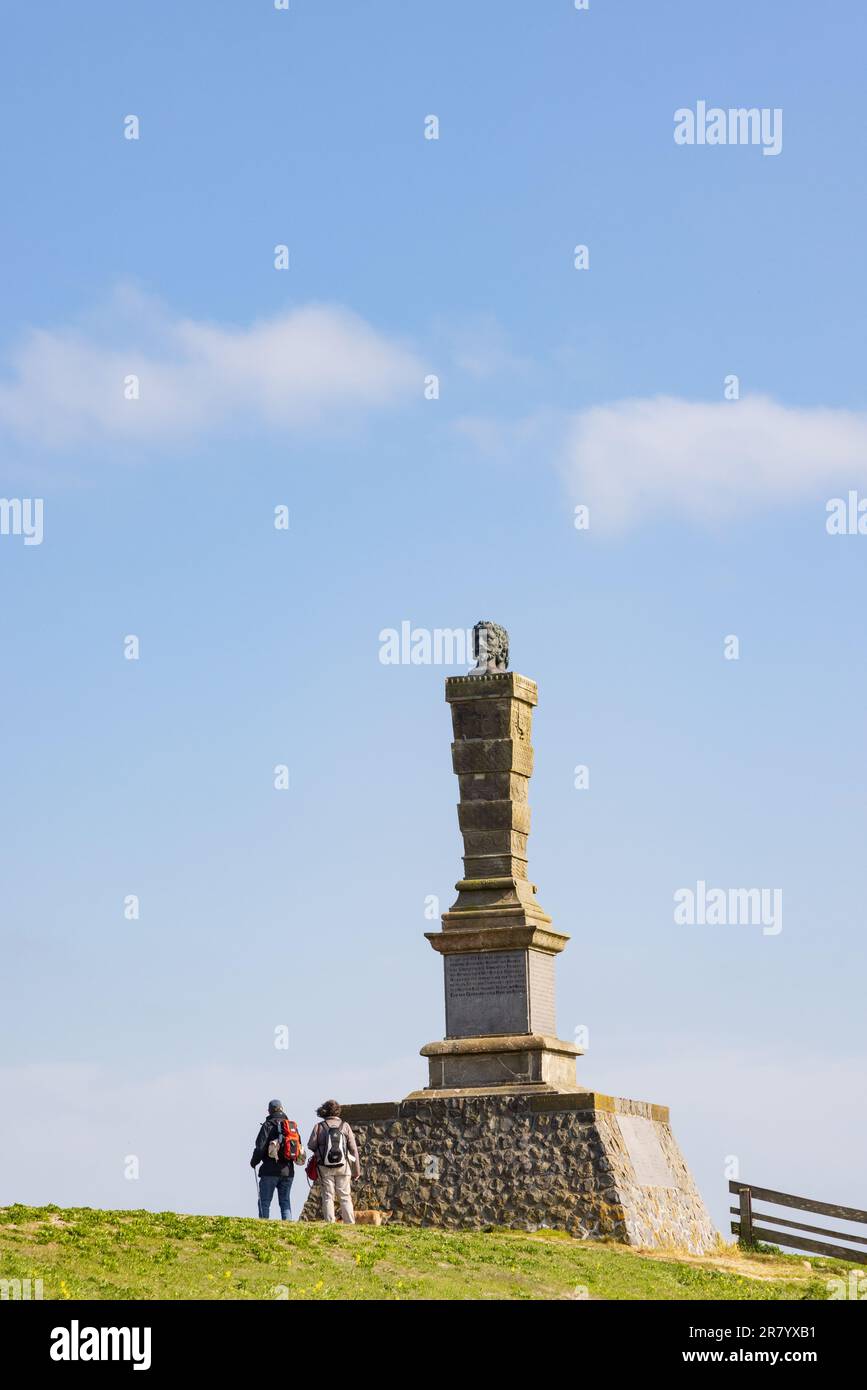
(267, 1188)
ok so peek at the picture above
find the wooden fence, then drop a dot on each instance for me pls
(753, 1225)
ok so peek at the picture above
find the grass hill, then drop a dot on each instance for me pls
(82, 1253)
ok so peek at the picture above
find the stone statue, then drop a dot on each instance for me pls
(490, 648)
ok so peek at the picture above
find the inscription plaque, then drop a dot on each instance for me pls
(643, 1146)
(541, 975)
(486, 993)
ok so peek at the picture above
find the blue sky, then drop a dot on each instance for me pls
(259, 647)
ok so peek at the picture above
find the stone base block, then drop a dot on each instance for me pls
(590, 1164)
(507, 1061)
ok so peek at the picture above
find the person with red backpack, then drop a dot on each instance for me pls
(278, 1149)
(335, 1161)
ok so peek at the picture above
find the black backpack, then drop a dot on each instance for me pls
(336, 1151)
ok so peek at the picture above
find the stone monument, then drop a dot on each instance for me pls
(497, 943)
(503, 1134)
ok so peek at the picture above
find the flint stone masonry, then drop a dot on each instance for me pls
(527, 1161)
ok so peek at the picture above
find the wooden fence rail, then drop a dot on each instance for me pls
(753, 1225)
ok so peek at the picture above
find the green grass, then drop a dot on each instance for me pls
(82, 1253)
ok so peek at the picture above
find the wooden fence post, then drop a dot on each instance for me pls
(746, 1217)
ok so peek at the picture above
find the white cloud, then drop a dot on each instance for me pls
(303, 367)
(705, 461)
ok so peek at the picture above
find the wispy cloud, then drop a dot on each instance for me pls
(65, 386)
(482, 348)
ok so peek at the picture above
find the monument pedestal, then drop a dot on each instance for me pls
(593, 1165)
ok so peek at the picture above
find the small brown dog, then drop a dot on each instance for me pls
(371, 1218)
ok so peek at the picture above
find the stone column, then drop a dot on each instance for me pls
(498, 944)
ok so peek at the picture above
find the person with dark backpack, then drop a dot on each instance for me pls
(278, 1148)
(336, 1152)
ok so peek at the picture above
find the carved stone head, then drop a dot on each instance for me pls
(490, 648)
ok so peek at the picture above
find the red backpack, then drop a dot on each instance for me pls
(293, 1150)
(286, 1144)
